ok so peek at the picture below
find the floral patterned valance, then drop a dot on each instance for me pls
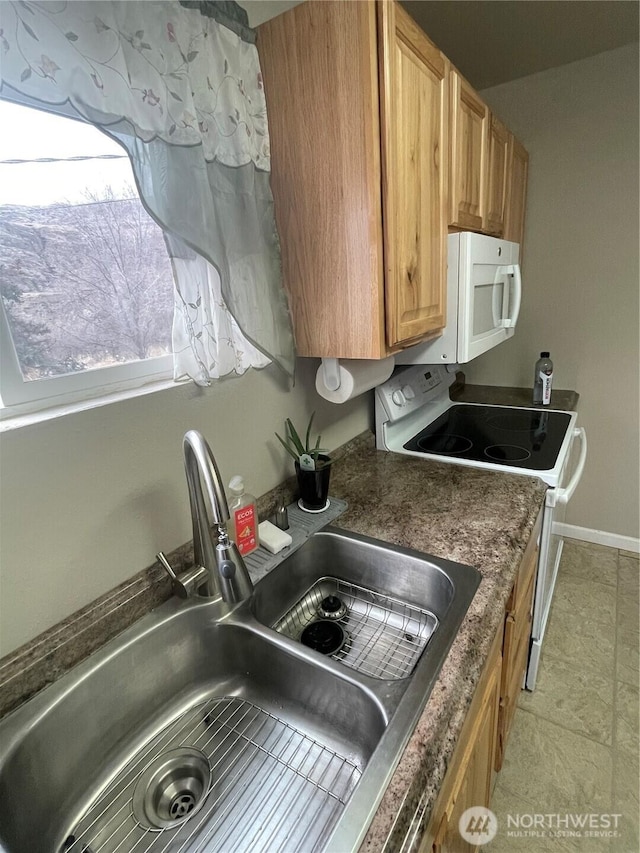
(169, 71)
(182, 92)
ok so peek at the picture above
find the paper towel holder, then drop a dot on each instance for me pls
(339, 380)
(331, 373)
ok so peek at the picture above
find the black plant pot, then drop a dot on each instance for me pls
(314, 485)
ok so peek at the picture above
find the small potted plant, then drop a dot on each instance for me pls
(313, 466)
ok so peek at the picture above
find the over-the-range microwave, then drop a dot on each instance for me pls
(484, 289)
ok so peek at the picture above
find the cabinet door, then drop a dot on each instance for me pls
(449, 839)
(468, 780)
(516, 193)
(517, 635)
(497, 177)
(320, 66)
(515, 648)
(413, 104)
(468, 151)
(475, 789)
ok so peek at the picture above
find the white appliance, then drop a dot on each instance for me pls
(484, 290)
(415, 416)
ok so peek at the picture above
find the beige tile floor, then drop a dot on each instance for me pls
(573, 748)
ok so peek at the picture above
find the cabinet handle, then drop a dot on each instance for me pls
(514, 270)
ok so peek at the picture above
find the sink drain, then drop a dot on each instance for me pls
(171, 789)
(325, 636)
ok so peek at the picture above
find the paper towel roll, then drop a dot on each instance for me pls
(357, 375)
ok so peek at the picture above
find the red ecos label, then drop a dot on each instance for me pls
(246, 525)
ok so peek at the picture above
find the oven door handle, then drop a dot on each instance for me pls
(563, 496)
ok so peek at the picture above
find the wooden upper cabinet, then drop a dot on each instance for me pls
(469, 118)
(363, 253)
(497, 174)
(516, 193)
(413, 110)
(488, 168)
(320, 72)
(365, 114)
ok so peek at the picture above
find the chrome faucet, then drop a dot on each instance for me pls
(219, 569)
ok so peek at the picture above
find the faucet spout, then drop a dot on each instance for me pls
(227, 573)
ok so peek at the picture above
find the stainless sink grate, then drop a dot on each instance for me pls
(272, 788)
(385, 636)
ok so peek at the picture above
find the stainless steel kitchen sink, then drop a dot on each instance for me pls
(388, 602)
(255, 722)
(202, 729)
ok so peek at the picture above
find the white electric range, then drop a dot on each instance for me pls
(415, 416)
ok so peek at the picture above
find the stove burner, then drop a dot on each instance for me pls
(325, 636)
(444, 443)
(331, 607)
(506, 453)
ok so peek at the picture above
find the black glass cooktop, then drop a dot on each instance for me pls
(520, 438)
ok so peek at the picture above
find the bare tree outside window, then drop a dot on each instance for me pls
(86, 283)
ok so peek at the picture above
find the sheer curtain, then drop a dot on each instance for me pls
(179, 86)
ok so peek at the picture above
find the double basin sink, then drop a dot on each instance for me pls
(275, 726)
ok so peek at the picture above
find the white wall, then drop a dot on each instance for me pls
(580, 126)
(88, 499)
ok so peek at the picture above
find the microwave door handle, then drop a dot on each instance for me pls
(514, 270)
(563, 496)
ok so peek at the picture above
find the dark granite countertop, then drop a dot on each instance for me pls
(495, 395)
(465, 514)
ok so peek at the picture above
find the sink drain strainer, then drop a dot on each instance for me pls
(171, 789)
(368, 631)
(325, 636)
(250, 780)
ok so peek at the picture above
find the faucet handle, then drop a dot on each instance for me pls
(160, 557)
(186, 583)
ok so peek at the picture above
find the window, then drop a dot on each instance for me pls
(86, 283)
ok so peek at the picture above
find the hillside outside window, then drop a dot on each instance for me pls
(85, 277)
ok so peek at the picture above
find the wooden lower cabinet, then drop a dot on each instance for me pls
(517, 636)
(468, 779)
(482, 741)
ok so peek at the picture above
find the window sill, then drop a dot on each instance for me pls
(16, 417)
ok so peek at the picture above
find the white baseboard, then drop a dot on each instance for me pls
(598, 537)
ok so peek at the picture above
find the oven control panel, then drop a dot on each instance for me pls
(411, 387)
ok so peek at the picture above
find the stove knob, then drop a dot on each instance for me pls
(402, 396)
(408, 392)
(399, 398)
